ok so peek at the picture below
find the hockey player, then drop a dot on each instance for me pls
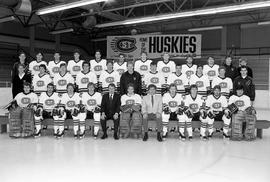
(34, 65)
(189, 68)
(84, 77)
(62, 79)
(217, 111)
(21, 119)
(211, 69)
(47, 103)
(142, 66)
(41, 80)
(71, 101)
(109, 76)
(195, 110)
(171, 102)
(179, 79)
(154, 77)
(201, 81)
(91, 102)
(225, 83)
(120, 66)
(130, 118)
(54, 66)
(98, 65)
(166, 67)
(75, 66)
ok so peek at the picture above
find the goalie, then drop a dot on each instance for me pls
(243, 116)
(130, 118)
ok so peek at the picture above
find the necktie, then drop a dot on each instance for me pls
(111, 97)
(152, 100)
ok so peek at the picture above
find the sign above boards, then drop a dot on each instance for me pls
(178, 46)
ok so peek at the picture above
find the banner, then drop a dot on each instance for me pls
(178, 46)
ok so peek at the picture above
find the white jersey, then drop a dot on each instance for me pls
(142, 67)
(202, 83)
(216, 104)
(211, 72)
(225, 84)
(120, 68)
(166, 68)
(34, 66)
(23, 100)
(40, 82)
(180, 81)
(49, 101)
(193, 104)
(54, 67)
(241, 102)
(61, 82)
(107, 78)
(91, 101)
(74, 67)
(82, 80)
(70, 102)
(131, 99)
(172, 102)
(98, 67)
(188, 71)
(156, 79)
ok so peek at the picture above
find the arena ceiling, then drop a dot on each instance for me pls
(84, 20)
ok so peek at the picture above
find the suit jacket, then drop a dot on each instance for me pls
(110, 108)
(147, 104)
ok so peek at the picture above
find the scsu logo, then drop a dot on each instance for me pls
(193, 106)
(239, 103)
(165, 69)
(25, 100)
(143, 68)
(49, 102)
(130, 101)
(71, 103)
(91, 102)
(178, 82)
(216, 105)
(211, 73)
(40, 83)
(199, 84)
(190, 72)
(36, 68)
(98, 68)
(76, 68)
(84, 80)
(124, 44)
(62, 82)
(154, 80)
(120, 71)
(110, 80)
(173, 104)
(223, 85)
(55, 69)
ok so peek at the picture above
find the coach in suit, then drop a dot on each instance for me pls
(110, 109)
(151, 110)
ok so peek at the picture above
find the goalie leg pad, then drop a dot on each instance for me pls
(250, 127)
(237, 125)
(28, 122)
(136, 123)
(125, 123)
(15, 122)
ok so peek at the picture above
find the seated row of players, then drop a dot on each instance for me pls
(133, 111)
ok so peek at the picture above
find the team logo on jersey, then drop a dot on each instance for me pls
(76, 68)
(199, 84)
(71, 103)
(40, 83)
(36, 68)
(173, 104)
(110, 79)
(84, 80)
(62, 82)
(216, 105)
(91, 102)
(178, 82)
(120, 71)
(49, 102)
(25, 100)
(98, 68)
(239, 103)
(154, 80)
(223, 85)
(193, 106)
(143, 67)
(124, 44)
(211, 73)
(130, 101)
(166, 69)
(55, 69)
(190, 72)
